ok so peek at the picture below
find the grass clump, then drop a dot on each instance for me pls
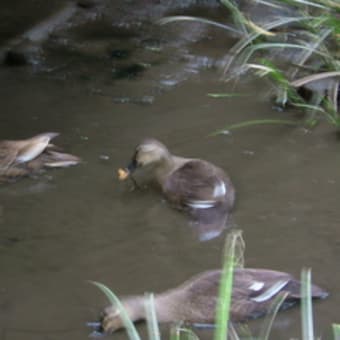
(295, 46)
(308, 32)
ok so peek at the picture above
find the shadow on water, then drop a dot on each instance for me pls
(68, 226)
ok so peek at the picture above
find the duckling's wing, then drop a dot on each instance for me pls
(197, 184)
(22, 151)
(30, 150)
(270, 278)
(206, 192)
(254, 290)
(263, 284)
(8, 153)
(55, 159)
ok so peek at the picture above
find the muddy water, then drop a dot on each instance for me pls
(69, 226)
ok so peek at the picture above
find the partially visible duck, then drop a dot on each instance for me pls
(24, 157)
(195, 300)
(194, 185)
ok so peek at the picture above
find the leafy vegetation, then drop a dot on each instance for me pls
(295, 47)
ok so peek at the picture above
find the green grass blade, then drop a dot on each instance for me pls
(175, 18)
(268, 322)
(233, 333)
(243, 43)
(312, 49)
(309, 107)
(306, 305)
(310, 3)
(128, 324)
(180, 333)
(249, 51)
(336, 331)
(151, 317)
(174, 332)
(254, 122)
(315, 77)
(238, 17)
(269, 4)
(226, 95)
(226, 285)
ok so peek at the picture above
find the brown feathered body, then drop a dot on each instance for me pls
(25, 157)
(194, 185)
(195, 300)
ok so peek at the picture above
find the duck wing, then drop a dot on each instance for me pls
(206, 192)
(31, 148)
(23, 151)
(56, 159)
(8, 154)
(254, 291)
(198, 185)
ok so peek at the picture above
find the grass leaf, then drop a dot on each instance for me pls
(233, 242)
(306, 305)
(226, 95)
(151, 317)
(243, 43)
(175, 18)
(253, 123)
(180, 333)
(336, 331)
(315, 77)
(269, 320)
(128, 324)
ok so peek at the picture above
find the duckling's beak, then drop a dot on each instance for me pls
(132, 166)
(123, 174)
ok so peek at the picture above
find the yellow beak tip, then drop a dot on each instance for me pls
(123, 174)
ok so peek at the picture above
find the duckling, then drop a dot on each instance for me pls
(195, 185)
(195, 300)
(24, 157)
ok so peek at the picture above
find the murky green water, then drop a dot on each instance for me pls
(73, 225)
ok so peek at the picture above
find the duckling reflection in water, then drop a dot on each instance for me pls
(254, 291)
(194, 185)
(20, 158)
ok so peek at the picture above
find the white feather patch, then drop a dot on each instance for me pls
(201, 204)
(272, 291)
(148, 147)
(220, 189)
(62, 164)
(256, 286)
(30, 153)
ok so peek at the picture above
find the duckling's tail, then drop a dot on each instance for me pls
(54, 159)
(294, 290)
(210, 223)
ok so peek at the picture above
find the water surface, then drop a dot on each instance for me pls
(65, 227)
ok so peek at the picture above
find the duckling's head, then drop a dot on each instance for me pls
(111, 319)
(149, 152)
(46, 137)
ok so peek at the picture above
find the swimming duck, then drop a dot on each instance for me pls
(24, 157)
(194, 301)
(194, 185)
